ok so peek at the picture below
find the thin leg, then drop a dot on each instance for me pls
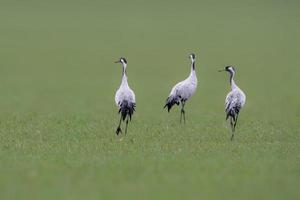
(180, 117)
(182, 111)
(232, 128)
(126, 126)
(119, 130)
(236, 119)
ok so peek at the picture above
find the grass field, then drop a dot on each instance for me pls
(58, 117)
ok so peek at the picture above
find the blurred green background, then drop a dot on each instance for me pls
(57, 112)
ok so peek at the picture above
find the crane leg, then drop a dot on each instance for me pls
(182, 112)
(232, 128)
(236, 119)
(126, 126)
(119, 130)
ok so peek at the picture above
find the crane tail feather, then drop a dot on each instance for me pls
(170, 102)
(127, 109)
(233, 114)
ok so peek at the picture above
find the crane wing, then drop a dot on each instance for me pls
(233, 104)
(174, 96)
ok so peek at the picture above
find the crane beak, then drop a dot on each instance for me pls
(117, 61)
(221, 70)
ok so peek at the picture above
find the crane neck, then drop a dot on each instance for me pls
(193, 72)
(231, 81)
(124, 77)
(124, 69)
(193, 65)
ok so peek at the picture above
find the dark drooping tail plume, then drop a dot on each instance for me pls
(233, 114)
(171, 101)
(126, 109)
(232, 111)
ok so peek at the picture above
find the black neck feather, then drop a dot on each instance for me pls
(231, 78)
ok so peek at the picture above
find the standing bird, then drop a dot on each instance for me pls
(183, 90)
(124, 98)
(234, 101)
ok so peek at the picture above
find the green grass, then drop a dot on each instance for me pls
(57, 112)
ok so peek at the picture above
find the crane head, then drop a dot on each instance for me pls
(192, 57)
(122, 60)
(228, 68)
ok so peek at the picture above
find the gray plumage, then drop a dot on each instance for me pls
(183, 90)
(125, 99)
(234, 101)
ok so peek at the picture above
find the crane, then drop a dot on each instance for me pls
(124, 98)
(234, 101)
(183, 90)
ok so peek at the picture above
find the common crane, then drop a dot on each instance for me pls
(183, 90)
(124, 98)
(234, 101)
